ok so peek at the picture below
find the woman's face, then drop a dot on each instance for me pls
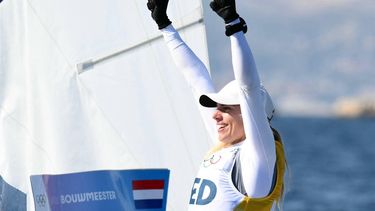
(229, 124)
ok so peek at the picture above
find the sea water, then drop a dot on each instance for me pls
(331, 163)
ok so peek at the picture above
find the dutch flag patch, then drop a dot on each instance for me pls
(148, 194)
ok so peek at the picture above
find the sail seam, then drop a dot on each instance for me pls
(49, 33)
(82, 84)
(7, 115)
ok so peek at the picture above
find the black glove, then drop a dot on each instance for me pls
(158, 10)
(225, 9)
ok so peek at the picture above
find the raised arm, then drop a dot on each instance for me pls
(258, 152)
(259, 147)
(193, 69)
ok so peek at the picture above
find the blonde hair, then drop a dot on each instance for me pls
(287, 174)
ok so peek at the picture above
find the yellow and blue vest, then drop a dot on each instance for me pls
(213, 189)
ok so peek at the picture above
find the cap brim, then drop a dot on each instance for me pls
(206, 101)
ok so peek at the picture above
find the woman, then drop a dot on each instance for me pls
(245, 170)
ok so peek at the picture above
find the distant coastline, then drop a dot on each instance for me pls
(354, 108)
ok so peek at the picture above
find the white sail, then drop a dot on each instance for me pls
(89, 85)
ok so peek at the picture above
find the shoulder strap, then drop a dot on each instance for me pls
(237, 175)
(237, 171)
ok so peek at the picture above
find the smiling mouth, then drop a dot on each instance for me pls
(220, 128)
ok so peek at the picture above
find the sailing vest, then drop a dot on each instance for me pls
(213, 189)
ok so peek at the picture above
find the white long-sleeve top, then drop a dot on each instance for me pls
(258, 149)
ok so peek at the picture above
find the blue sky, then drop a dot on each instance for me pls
(311, 55)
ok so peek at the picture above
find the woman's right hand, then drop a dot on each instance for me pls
(158, 10)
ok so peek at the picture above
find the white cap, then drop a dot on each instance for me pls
(229, 95)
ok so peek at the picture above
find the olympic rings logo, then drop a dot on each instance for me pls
(41, 200)
(211, 161)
